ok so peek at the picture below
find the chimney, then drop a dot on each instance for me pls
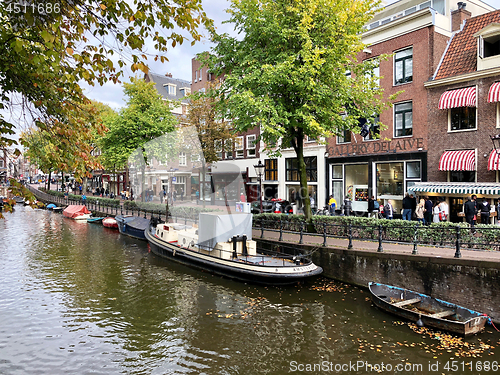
(169, 75)
(459, 16)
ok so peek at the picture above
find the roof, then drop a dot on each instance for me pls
(161, 82)
(461, 55)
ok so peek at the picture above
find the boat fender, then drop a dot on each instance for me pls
(173, 253)
(419, 321)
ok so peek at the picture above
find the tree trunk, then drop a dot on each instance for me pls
(304, 195)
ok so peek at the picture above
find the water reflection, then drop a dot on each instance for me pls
(78, 298)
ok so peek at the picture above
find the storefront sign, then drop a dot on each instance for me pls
(400, 145)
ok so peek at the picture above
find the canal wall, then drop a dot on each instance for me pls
(474, 284)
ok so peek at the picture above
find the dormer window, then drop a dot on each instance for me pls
(488, 47)
(171, 88)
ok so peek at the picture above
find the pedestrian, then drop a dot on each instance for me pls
(312, 201)
(371, 206)
(242, 197)
(80, 188)
(419, 211)
(428, 211)
(389, 210)
(332, 205)
(347, 206)
(485, 211)
(470, 212)
(413, 200)
(498, 212)
(197, 196)
(407, 207)
(435, 211)
(84, 198)
(182, 194)
(174, 195)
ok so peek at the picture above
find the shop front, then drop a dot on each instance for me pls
(385, 176)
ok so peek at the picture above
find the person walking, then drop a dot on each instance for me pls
(407, 207)
(371, 206)
(413, 200)
(485, 211)
(332, 204)
(389, 210)
(419, 211)
(470, 212)
(435, 212)
(428, 211)
(347, 206)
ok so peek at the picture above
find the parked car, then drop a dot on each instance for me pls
(274, 205)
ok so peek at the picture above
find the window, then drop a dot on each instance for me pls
(196, 76)
(489, 46)
(271, 170)
(201, 74)
(182, 159)
(462, 118)
(462, 176)
(251, 145)
(218, 148)
(292, 169)
(403, 119)
(345, 137)
(238, 146)
(228, 148)
(403, 66)
(375, 71)
(195, 157)
(374, 128)
(171, 89)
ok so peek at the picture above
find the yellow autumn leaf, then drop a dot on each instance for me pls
(69, 50)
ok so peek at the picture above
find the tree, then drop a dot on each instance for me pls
(211, 132)
(287, 72)
(145, 118)
(48, 48)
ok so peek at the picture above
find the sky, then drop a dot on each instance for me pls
(179, 63)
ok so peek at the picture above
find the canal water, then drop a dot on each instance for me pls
(77, 298)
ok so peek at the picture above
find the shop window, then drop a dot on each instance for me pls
(390, 180)
(292, 169)
(403, 119)
(462, 176)
(413, 169)
(462, 118)
(403, 66)
(271, 170)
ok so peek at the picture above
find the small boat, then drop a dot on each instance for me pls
(110, 222)
(51, 206)
(94, 220)
(427, 311)
(223, 245)
(19, 199)
(77, 212)
(58, 209)
(133, 226)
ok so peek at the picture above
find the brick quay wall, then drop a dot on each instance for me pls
(471, 283)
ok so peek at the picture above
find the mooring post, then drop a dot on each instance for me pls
(301, 233)
(350, 237)
(324, 234)
(458, 254)
(380, 248)
(415, 236)
(261, 227)
(281, 230)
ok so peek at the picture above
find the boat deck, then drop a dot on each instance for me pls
(265, 260)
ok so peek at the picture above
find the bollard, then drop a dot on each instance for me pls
(144, 213)
(324, 234)
(415, 252)
(281, 230)
(301, 232)
(350, 237)
(261, 227)
(458, 254)
(380, 248)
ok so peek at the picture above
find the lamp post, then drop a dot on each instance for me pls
(259, 169)
(495, 139)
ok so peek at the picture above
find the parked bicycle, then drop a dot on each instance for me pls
(325, 211)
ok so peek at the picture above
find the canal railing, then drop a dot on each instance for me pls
(459, 236)
(109, 207)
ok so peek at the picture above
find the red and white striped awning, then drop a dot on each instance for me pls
(494, 161)
(458, 98)
(463, 160)
(494, 93)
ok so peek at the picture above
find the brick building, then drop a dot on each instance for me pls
(386, 163)
(463, 113)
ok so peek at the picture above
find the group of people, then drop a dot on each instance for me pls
(428, 212)
(472, 209)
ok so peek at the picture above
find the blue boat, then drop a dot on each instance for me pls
(133, 226)
(50, 206)
(95, 220)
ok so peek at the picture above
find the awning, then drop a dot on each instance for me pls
(459, 188)
(494, 161)
(494, 93)
(462, 160)
(458, 98)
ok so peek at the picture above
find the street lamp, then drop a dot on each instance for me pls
(496, 144)
(259, 169)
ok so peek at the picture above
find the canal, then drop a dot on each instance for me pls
(77, 298)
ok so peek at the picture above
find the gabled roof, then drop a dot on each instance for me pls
(461, 55)
(161, 83)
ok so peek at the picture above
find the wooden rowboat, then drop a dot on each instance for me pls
(427, 311)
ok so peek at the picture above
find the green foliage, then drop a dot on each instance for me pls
(286, 72)
(48, 49)
(188, 212)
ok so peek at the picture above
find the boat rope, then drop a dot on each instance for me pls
(491, 322)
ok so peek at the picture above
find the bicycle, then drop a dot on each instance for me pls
(325, 211)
